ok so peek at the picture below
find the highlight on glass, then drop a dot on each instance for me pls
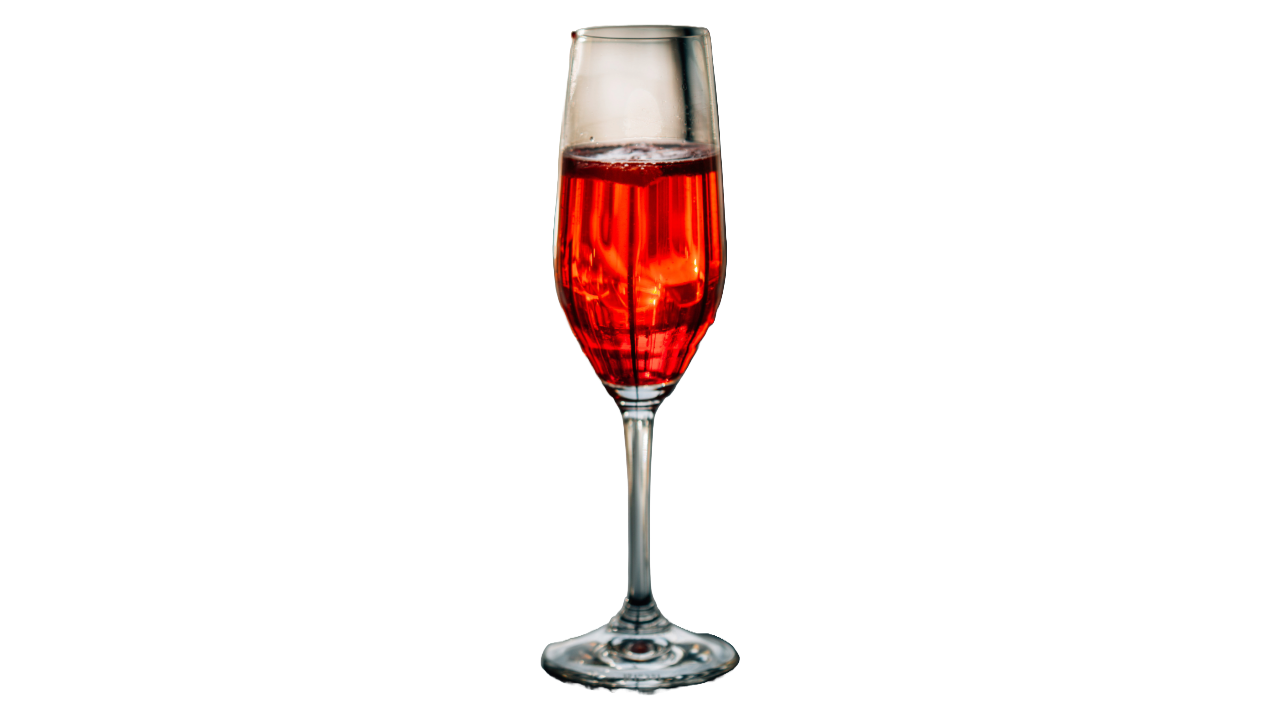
(639, 269)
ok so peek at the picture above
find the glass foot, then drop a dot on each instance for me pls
(639, 649)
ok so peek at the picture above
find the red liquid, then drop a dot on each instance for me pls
(640, 256)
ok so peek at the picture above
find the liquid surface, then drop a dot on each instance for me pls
(640, 256)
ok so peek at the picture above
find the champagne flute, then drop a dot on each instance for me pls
(639, 265)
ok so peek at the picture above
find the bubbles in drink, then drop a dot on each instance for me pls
(639, 163)
(640, 152)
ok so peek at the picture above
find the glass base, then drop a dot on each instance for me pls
(640, 650)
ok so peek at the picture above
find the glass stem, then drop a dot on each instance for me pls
(637, 426)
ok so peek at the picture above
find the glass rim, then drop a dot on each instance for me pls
(634, 33)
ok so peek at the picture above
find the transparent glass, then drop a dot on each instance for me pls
(639, 261)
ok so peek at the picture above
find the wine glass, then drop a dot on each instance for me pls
(639, 264)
